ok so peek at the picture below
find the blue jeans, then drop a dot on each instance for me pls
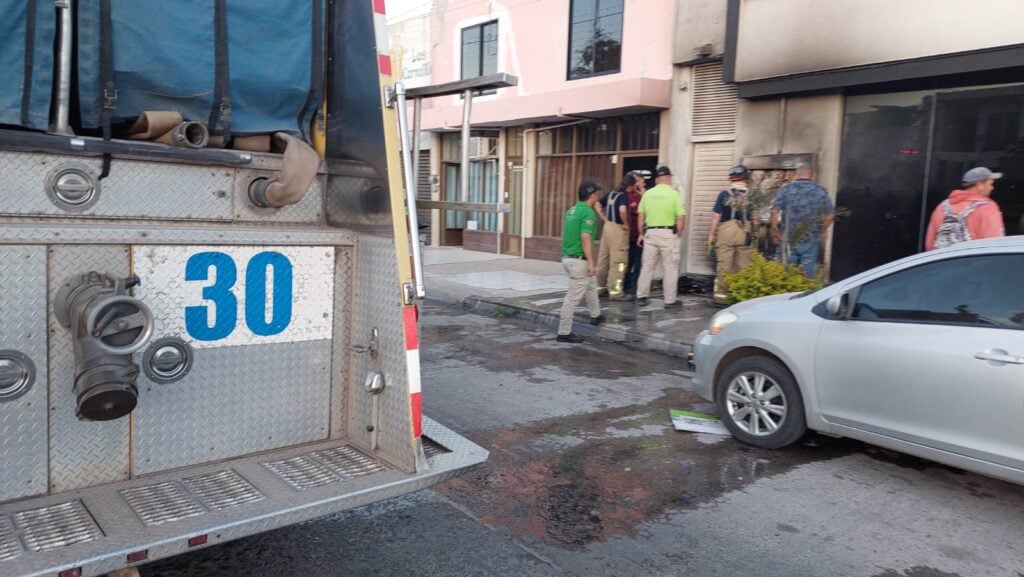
(805, 254)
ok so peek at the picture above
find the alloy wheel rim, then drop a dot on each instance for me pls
(756, 403)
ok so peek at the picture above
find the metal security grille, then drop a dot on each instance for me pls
(714, 103)
(711, 162)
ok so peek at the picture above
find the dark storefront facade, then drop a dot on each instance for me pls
(892, 101)
(901, 155)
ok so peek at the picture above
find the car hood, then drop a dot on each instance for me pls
(761, 303)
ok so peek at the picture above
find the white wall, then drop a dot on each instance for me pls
(409, 32)
(699, 22)
(783, 37)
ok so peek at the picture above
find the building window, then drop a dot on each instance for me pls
(480, 50)
(483, 180)
(595, 37)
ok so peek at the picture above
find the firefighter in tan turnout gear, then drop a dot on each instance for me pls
(730, 233)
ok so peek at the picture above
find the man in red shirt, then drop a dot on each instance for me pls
(634, 193)
(968, 214)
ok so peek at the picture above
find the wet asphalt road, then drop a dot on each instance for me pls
(587, 478)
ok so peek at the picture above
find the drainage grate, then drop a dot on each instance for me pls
(348, 462)
(302, 472)
(9, 546)
(56, 526)
(161, 503)
(223, 490)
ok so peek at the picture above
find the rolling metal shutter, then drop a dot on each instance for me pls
(715, 107)
(714, 103)
(423, 192)
(711, 162)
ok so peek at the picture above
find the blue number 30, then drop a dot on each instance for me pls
(225, 303)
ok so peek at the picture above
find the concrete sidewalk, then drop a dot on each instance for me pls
(532, 290)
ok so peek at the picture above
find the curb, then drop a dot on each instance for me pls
(610, 332)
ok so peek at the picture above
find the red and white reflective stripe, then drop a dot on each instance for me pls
(412, 346)
(380, 26)
(412, 361)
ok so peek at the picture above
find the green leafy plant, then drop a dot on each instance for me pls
(768, 277)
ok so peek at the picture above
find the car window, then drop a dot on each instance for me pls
(977, 290)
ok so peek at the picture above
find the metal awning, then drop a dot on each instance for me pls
(398, 96)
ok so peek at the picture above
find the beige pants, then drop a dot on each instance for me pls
(613, 259)
(580, 285)
(660, 244)
(732, 252)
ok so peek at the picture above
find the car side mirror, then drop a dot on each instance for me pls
(837, 305)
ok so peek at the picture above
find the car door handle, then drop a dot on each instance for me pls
(998, 356)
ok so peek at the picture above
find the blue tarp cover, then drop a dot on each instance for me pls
(18, 106)
(164, 59)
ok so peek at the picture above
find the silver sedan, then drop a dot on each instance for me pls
(924, 355)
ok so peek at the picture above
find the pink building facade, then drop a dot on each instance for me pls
(594, 88)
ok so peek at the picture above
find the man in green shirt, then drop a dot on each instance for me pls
(578, 259)
(661, 218)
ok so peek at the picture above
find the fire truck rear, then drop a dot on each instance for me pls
(208, 325)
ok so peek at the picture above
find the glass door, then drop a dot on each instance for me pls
(881, 178)
(903, 153)
(513, 224)
(980, 128)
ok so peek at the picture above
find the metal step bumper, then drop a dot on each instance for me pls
(101, 529)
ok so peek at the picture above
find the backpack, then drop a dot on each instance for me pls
(954, 225)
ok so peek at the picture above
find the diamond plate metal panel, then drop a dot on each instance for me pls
(310, 210)
(282, 507)
(82, 453)
(161, 270)
(319, 468)
(134, 189)
(347, 462)
(223, 490)
(357, 197)
(10, 547)
(341, 367)
(23, 472)
(303, 472)
(433, 449)
(234, 401)
(56, 526)
(378, 298)
(161, 503)
(68, 232)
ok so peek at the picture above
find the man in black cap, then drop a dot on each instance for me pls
(578, 259)
(661, 219)
(731, 235)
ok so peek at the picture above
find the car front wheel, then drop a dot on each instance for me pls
(760, 403)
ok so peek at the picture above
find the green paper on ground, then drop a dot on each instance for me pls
(697, 422)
